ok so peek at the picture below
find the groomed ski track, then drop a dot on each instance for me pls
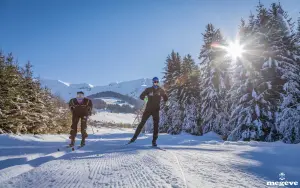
(105, 161)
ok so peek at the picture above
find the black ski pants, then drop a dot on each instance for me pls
(146, 115)
(75, 120)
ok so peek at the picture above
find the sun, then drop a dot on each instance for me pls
(235, 50)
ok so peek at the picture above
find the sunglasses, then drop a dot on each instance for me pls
(156, 82)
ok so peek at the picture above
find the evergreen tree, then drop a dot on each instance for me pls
(214, 82)
(279, 68)
(25, 107)
(11, 99)
(192, 119)
(288, 68)
(35, 110)
(175, 115)
(246, 103)
(172, 84)
(189, 96)
(172, 72)
(58, 112)
(269, 69)
(189, 80)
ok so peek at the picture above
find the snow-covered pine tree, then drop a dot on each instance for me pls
(33, 107)
(279, 65)
(190, 75)
(248, 107)
(172, 83)
(175, 115)
(172, 68)
(165, 120)
(284, 58)
(25, 107)
(192, 119)
(213, 67)
(58, 112)
(11, 99)
(189, 96)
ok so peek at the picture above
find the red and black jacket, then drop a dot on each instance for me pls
(83, 109)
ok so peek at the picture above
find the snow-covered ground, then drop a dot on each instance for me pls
(189, 161)
(108, 117)
(114, 101)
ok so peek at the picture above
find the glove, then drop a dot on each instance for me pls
(167, 103)
(146, 99)
(89, 111)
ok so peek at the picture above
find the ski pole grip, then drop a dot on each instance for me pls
(146, 99)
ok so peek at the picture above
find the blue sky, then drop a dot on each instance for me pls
(102, 41)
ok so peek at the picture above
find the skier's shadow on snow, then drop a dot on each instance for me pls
(23, 160)
(99, 148)
(95, 148)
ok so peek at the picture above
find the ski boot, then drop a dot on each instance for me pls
(131, 141)
(72, 142)
(154, 144)
(82, 142)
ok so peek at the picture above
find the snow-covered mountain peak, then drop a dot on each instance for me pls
(67, 90)
(67, 84)
(82, 85)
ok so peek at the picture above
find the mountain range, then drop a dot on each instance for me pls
(67, 91)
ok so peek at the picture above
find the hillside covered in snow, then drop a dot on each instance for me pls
(67, 91)
(115, 102)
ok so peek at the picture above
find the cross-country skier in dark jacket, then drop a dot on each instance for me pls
(81, 108)
(154, 94)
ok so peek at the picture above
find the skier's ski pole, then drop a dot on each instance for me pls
(138, 114)
(134, 119)
(92, 129)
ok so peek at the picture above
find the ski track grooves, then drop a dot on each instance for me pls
(134, 168)
(209, 169)
(183, 176)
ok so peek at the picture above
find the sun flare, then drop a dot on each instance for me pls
(235, 50)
